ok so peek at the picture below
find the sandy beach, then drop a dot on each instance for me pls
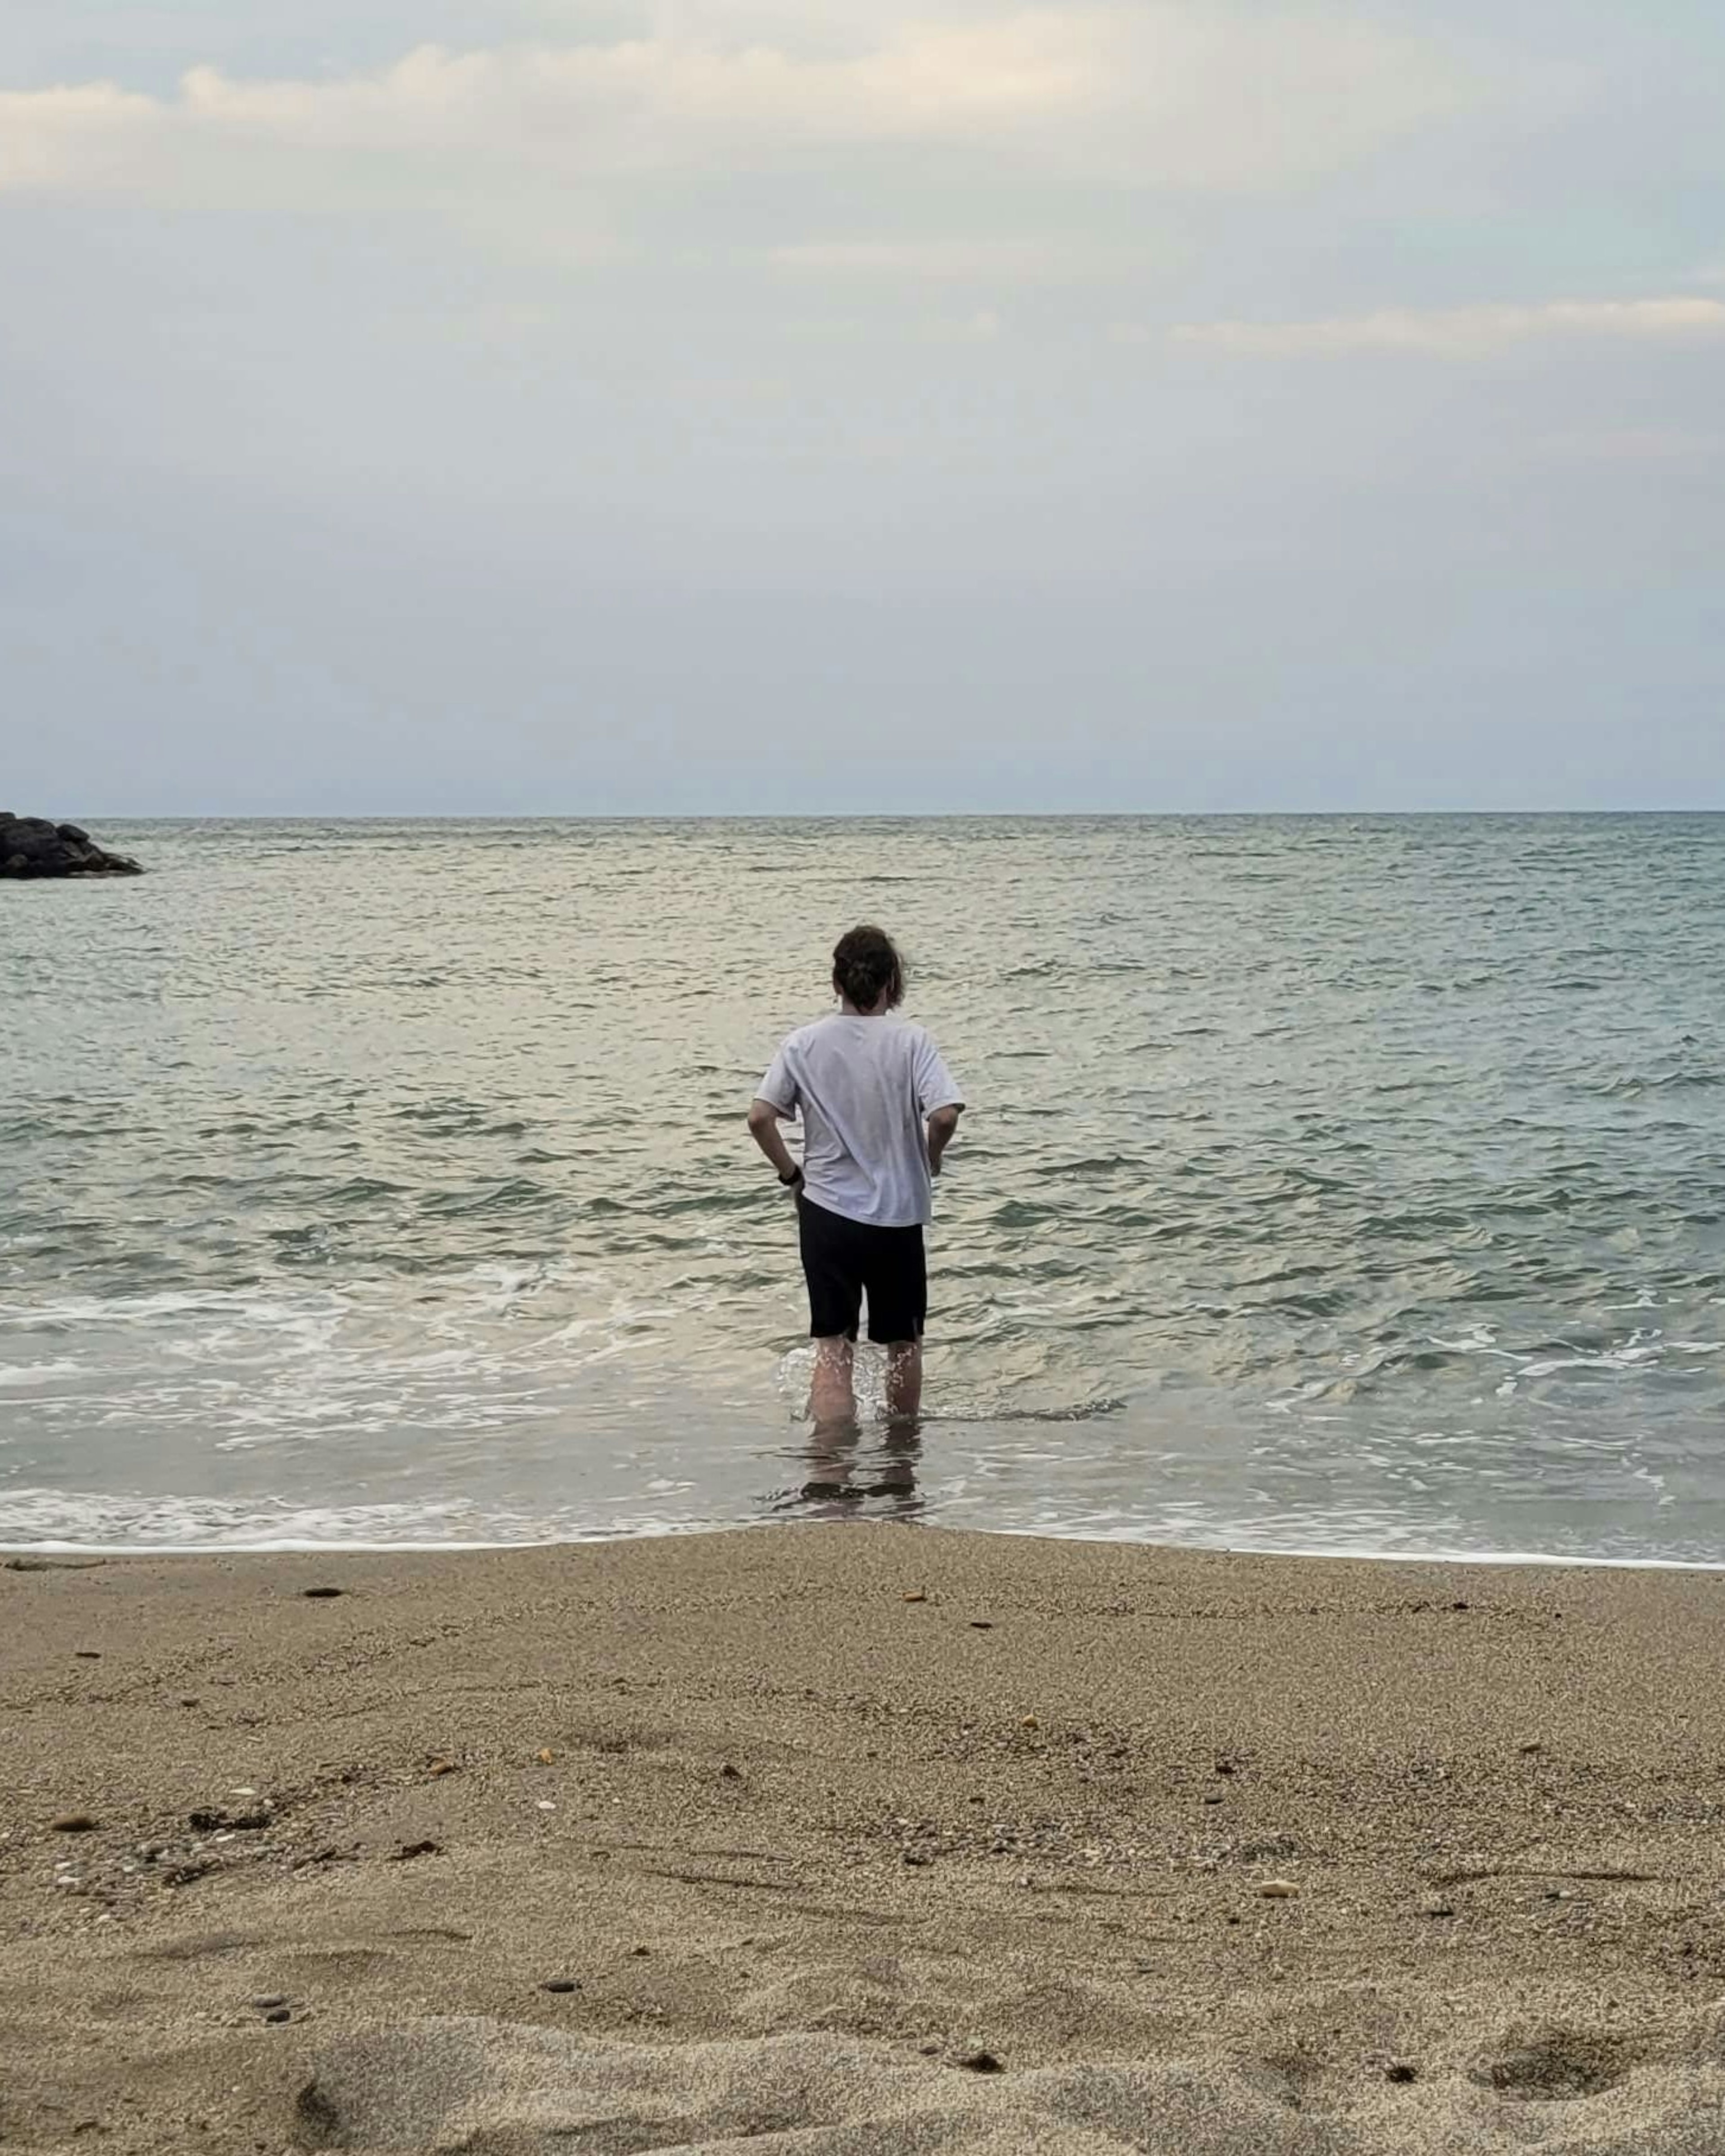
(859, 1838)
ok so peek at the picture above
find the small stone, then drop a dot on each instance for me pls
(1435, 1909)
(640, 1953)
(1529, 1748)
(442, 1766)
(727, 1773)
(544, 1755)
(918, 1594)
(1278, 1890)
(917, 1856)
(1401, 2071)
(73, 1823)
(1213, 1797)
(981, 1623)
(266, 2000)
(321, 1593)
(85, 1655)
(560, 1983)
(278, 2014)
(409, 1850)
(1030, 1721)
(976, 2059)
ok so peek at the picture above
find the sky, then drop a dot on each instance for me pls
(725, 406)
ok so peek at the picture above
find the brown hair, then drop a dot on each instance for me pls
(866, 962)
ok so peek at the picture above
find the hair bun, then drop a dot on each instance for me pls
(866, 966)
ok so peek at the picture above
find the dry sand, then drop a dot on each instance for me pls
(859, 1838)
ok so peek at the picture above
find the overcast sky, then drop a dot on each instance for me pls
(530, 405)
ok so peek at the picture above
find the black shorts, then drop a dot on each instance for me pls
(843, 1261)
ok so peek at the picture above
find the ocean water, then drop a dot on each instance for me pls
(1344, 1184)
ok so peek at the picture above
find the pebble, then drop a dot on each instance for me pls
(560, 1983)
(280, 2014)
(919, 1595)
(975, 2059)
(267, 1999)
(1401, 2070)
(1435, 1909)
(321, 1593)
(727, 1773)
(1278, 1890)
(441, 1767)
(73, 1823)
(544, 1755)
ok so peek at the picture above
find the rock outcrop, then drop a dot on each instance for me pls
(32, 846)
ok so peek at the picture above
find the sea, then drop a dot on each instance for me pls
(1350, 1184)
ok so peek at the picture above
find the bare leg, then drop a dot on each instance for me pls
(904, 1378)
(832, 1397)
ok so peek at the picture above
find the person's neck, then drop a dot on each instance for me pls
(850, 1010)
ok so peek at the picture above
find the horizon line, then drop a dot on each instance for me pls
(872, 815)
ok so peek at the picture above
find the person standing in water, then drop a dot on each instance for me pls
(879, 1109)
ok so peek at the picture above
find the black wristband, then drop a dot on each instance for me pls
(793, 1180)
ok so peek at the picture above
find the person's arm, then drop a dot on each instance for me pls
(942, 1124)
(763, 1129)
(938, 1100)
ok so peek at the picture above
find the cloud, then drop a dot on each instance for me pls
(1051, 260)
(1175, 95)
(1457, 332)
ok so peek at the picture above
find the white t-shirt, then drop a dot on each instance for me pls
(864, 1087)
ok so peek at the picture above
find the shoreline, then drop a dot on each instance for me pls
(786, 1841)
(1511, 1560)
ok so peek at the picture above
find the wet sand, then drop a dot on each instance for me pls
(869, 1838)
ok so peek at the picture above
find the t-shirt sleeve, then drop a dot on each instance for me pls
(778, 1088)
(936, 1085)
